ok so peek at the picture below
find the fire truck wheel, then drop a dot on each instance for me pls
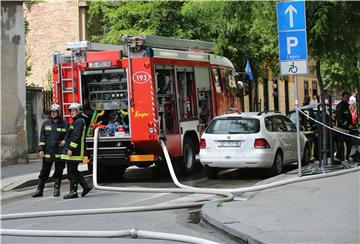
(187, 161)
(111, 172)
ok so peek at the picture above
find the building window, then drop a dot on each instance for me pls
(306, 88)
(314, 88)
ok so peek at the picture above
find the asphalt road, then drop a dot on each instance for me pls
(180, 221)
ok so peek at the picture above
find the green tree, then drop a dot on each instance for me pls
(133, 18)
(333, 40)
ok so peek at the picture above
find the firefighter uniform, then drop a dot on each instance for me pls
(53, 131)
(344, 124)
(75, 141)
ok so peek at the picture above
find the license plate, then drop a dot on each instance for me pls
(229, 143)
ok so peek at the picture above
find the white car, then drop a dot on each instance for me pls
(251, 140)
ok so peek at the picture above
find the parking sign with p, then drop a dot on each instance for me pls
(292, 37)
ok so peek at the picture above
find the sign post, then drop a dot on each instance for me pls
(291, 22)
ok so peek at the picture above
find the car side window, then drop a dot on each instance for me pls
(289, 125)
(279, 124)
(269, 124)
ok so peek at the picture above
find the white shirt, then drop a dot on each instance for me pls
(352, 99)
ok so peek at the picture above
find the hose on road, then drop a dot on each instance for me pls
(227, 195)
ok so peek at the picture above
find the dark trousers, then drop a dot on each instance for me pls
(73, 172)
(343, 147)
(74, 175)
(46, 168)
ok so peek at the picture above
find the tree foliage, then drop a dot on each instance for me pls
(241, 30)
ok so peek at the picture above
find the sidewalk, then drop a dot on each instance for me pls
(22, 175)
(318, 211)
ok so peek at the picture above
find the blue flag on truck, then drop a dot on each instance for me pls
(248, 71)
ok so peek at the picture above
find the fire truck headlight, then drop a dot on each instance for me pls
(151, 130)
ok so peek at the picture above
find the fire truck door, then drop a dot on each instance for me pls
(143, 111)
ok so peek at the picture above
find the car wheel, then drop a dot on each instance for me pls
(187, 161)
(211, 172)
(306, 156)
(277, 166)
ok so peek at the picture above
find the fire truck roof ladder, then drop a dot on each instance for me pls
(91, 46)
(66, 88)
(167, 43)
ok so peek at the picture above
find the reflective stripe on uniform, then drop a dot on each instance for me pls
(83, 141)
(41, 143)
(308, 132)
(47, 155)
(48, 128)
(71, 158)
(76, 157)
(57, 155)
(61, 129)
(73, 144)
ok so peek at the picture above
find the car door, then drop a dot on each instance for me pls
(276, 133)
(283, 136)
(291, 138)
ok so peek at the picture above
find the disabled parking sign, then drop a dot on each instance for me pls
(292, 37)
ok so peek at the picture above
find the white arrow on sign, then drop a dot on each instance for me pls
(291, 10)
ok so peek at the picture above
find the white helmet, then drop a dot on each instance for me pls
(55, 107)
(76, 106)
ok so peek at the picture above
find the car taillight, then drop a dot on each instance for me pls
(202, 144)
(261, 143)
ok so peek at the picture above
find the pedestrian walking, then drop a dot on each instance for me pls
(343, 124)
(53, 131)
(74, 152)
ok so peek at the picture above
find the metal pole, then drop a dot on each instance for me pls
(331, 133)
(297, 125)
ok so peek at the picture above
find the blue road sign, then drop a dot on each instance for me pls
(292, 36)
(292, 45)
(291, 15)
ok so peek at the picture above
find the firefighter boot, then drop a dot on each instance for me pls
(73, 191)
(57, 185)
(40, 189)
(86, 187)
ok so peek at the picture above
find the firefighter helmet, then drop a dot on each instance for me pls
(76, 106)
(55, 107)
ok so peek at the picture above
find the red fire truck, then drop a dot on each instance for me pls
(148, 89)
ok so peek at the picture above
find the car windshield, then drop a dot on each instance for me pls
(235, 125)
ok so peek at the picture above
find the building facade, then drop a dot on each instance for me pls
(50, 25)
(278, 93)
(13, 103)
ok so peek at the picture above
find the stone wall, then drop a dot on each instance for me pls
(13, 103)
(51, 24)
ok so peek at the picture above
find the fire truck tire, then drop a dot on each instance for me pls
(187, 161)
(111, 172)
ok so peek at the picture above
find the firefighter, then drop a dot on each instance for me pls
(53, 131)
(343, 124)
(73, 151)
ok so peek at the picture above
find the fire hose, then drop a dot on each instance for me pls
(226, 193)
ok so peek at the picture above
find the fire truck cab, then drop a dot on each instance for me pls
(148, 89)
